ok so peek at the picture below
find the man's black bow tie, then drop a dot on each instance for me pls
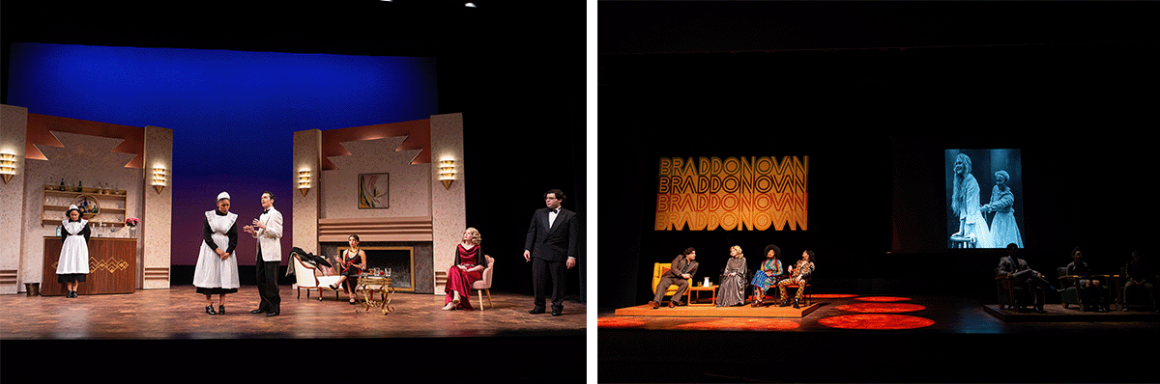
(554, 210)
(266, 211)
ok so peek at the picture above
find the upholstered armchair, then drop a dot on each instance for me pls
(660, 269)
(484, 283)
(310, 277)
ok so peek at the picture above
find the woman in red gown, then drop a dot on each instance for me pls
(469, 265)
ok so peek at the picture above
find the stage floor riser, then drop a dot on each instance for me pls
(768, 310)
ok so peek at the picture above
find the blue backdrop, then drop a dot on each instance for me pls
(233, 113)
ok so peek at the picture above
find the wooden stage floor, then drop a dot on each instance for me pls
(158, 333)
(179, 313)
(867, 338)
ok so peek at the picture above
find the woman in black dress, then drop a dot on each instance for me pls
(352, 262)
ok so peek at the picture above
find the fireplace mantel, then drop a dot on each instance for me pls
(395, 229)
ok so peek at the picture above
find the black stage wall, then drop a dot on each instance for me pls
(875, 123)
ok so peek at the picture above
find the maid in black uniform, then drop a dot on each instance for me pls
(73, 266)
(217, 265)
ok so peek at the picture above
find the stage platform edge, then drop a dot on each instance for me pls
(767, 310)
(1056, 313)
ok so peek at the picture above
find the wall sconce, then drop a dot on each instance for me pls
(447, 172)
(7, 166)
(158, 179)
(304, 181)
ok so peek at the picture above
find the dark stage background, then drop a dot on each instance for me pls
(516, 74)
(874, 94)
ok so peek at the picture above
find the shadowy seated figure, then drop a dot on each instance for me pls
(1023, 276)
(1091, 291)
(1141, 276)
(682, 269)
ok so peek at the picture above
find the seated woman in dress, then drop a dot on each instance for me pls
(769, 274)
(732, 291)
(352, 262)
(798, 274)
(467, 269)
(73, 266)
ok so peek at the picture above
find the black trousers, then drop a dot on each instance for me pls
(549, 277)
(268, 284)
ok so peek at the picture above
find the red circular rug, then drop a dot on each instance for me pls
(868, 321)
(741, 325)
(881, 307)
(883, 299)
(833, 296)
(612, 322)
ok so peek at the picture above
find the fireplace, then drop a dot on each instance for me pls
(410, 262)
(401, 261)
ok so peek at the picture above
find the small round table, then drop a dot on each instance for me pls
(369, 284)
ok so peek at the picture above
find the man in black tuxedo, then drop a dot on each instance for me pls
(551, 246)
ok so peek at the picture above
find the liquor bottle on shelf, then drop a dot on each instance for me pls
(62, 184)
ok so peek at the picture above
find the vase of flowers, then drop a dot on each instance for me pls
(132, 223)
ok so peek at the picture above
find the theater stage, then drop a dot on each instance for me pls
(768, 309)
(875, 338)
(156, 334)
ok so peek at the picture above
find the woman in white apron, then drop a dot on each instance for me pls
(73, 266)
(217, 268)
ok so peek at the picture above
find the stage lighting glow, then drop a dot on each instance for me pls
(882, 299)
(880, 307)
(612, 322)
(741, 325)
(747, 193)
(876, 322)
(833, 295)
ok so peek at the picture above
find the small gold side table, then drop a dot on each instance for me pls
(369, 284)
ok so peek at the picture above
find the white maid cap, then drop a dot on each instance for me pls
(224, 196)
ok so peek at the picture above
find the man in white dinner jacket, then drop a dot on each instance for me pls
(268, 230)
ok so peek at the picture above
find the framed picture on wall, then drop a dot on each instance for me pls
(373, 191)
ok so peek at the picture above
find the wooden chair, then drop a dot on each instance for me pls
(807, 285)
(660, 269)
(484, 283)
(309, 277)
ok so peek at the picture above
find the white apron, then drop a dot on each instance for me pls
(211, 270)
(74, 254)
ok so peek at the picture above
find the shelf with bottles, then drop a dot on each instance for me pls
(100, 206)
(65, 190)
(98, 221)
